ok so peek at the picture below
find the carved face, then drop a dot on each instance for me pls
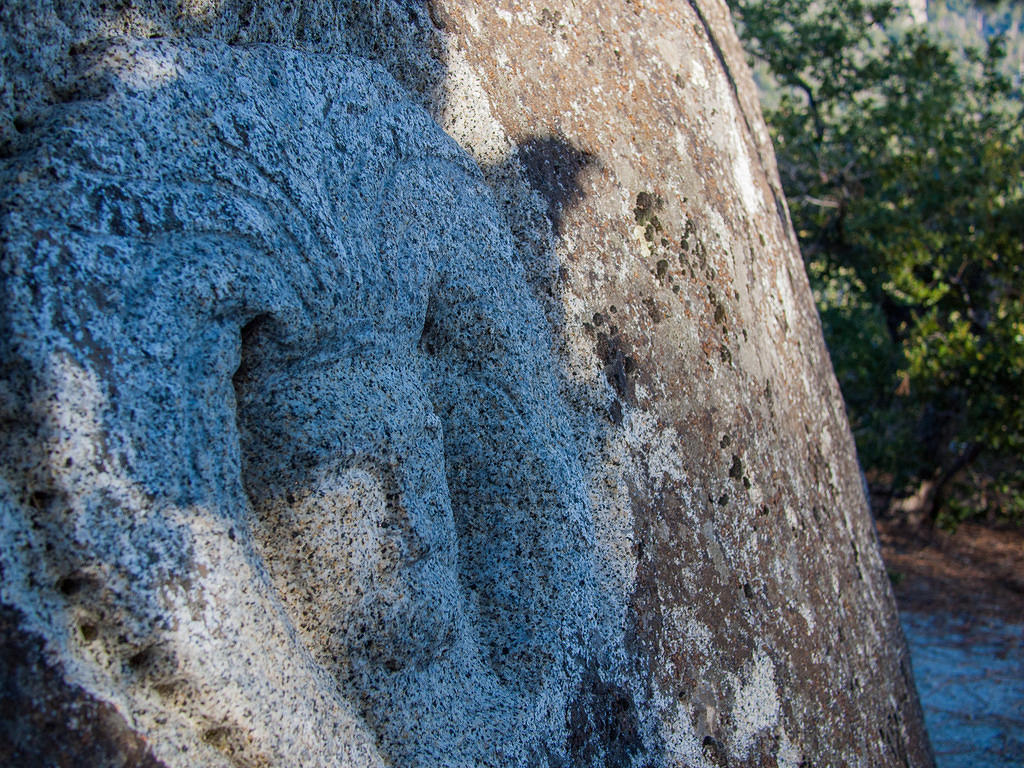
(343, 454)
(344, 464)
(317, 364)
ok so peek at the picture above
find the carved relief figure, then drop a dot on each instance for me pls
(285, 436)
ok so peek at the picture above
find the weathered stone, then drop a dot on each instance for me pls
(45, 721)
(336, 438)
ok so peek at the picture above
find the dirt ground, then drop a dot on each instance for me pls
(977, 570)
(961, 600)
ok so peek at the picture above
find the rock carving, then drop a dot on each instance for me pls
(464, 408)
(282, 399)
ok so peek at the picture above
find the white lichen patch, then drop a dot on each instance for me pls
(467, 116)
(698, 76)
(808, 615)
(699, 636)
(682, 744)
(671, 46)
(789, 755)
(741, 169)
(690, 633)
(756, 705)
(659, 443)
(681, 145)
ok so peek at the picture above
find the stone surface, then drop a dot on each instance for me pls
(38, 710)
(422, 385)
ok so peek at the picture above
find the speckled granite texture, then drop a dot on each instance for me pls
(419, 385)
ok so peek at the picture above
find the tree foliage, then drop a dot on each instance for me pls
(903, 164)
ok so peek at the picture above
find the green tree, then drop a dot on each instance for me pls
(903, 164)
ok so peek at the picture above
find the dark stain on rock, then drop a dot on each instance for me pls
(653, 310)
(717, 305)
(438, 17)
(615, 412)
(619, 365)
(602, 724)
(694, 247)
(689, 230)
(232, 742)
(44, 720)
(736, 470)
(88, 631)
(646, 214)
(714, 751)
(549, 20)
(74, 583)
(661, 270)
(856, 560)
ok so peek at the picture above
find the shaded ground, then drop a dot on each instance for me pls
(977, 569)
(961, 599)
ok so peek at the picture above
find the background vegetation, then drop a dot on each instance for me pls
(901, 149)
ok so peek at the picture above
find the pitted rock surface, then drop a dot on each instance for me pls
(424, 385)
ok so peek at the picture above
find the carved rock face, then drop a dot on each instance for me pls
(333, 438)
(269, 304)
